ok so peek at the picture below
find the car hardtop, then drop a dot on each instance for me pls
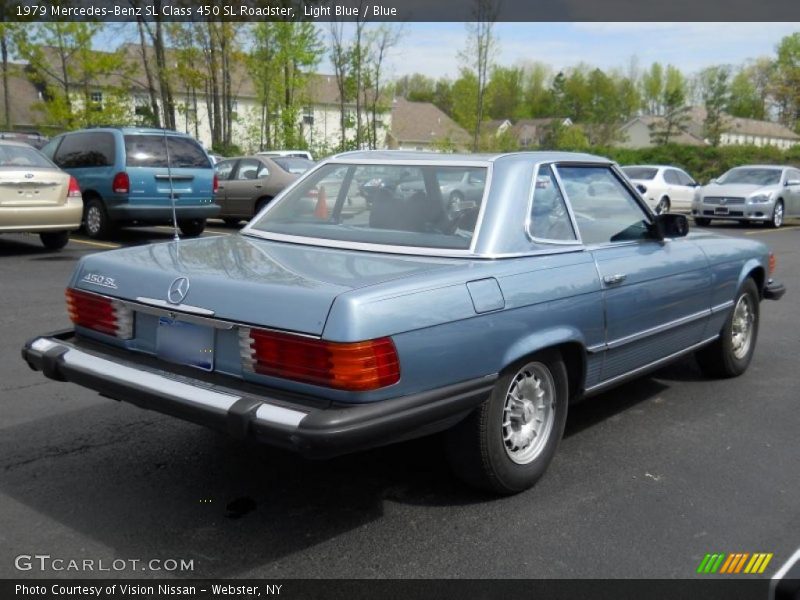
(415, 156)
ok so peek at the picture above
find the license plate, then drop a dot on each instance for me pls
(185, 343)
(721, 210)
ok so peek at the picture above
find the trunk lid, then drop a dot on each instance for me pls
(33, 187)
(247, 280)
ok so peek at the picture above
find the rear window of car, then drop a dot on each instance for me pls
(152, 151)
(23, 157)
(293, 164)
(85, 150)
(394, 205)
(645, 173)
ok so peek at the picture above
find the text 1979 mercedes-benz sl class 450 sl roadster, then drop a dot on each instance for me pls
(332, 324)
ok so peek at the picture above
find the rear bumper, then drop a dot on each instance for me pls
(774, 290)
(313, 427)
(64, 217)
(161, 214)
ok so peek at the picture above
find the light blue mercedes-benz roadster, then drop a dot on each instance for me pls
(335, 322)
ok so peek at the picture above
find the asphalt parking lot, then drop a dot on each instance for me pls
(648, 479)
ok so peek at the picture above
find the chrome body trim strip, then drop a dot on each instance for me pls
(178, 308)
(657, 329)
(721, 307)
(656, 363)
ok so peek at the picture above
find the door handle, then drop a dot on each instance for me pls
(614, 279)
(259, 186)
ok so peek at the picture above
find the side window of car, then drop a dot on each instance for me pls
(605, 210)
(549, 219)
(671, 177)
(263, 172)
(50, 148)
(793, 176)
(82, 150)
(248, 169)
(685, 179)
(224, 169)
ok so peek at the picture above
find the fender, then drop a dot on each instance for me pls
(539, 340)
(749, 266)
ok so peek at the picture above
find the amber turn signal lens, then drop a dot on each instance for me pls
(773, 263)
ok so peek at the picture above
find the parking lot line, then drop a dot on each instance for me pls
(772, 230)
(98, 244)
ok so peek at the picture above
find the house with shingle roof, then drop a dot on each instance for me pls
(23, 95)
(423, 126)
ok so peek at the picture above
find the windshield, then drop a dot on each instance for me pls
(751, 177)
(644, 173)
(393, 205)
(293, 164)
(23, 157)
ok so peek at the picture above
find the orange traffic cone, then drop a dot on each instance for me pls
(321, 210)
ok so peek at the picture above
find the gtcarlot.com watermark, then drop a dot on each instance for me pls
(45, 563)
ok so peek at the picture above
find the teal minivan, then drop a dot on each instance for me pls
(126, 175)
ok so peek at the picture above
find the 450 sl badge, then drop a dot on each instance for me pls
(101, 280)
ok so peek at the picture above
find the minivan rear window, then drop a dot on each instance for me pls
(151, 151)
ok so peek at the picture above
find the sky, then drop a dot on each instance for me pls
(432, 48)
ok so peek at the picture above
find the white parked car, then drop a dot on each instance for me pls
(664, 188)
(295, 153)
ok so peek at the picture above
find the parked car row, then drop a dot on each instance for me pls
(102, 178)
(750, 193)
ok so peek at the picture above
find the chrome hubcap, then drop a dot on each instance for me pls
(529, 413)
(777, 218)
(93, 219)
(742, 327)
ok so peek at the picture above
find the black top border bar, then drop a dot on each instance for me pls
(402, 10)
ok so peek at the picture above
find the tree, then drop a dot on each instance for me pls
(537, 96)
(263, 68)
(653, 89)
(786, 81)
(82, 87)
(9, 34)
(715, 93)
(744, 100)
(340, 59)
(674, 106)
(465, 90)
(504, 93)
(381, 43)
(478, 56)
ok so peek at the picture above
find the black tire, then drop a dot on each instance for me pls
(260, 204)
(776, 222)
(192, 227)
(663, 206)
(96, 223)
(477, 448)
(54, 240)
(702, 222)
(231, 222)
(720, 358)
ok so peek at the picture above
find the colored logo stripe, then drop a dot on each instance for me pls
(735, 562)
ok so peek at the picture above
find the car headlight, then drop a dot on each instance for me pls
(759, 198)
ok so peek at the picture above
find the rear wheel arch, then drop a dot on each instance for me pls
(573, 353)
(260, 203)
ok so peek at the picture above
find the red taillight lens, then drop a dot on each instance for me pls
(773, 263)
(356, 366)
(74, 190)
(121, 183)
(215, 185)
(99, 313)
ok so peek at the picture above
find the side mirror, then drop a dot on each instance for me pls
(792, 182)
(671, 225)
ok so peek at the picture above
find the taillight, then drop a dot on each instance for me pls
(74, 190)
(215, 185)
(355, 366)
(121, 183)
(100, 313)
(773, 263)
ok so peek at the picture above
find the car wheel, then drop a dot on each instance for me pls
(777, 215)
(260, 204)
(232, 222)
(507, 443)
(192, 227)
(96, 223)
(701, 222)
(54, 240)
(732, 351)
(662, 206)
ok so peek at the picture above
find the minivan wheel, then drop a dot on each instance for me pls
(507, 443)
(54, 240)
(732, 351)
(96, 223)
(192, 227)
